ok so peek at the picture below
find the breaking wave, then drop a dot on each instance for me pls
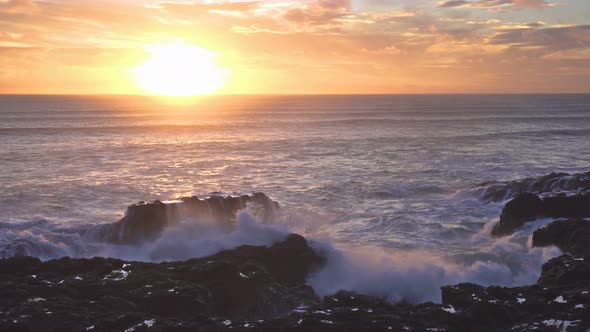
(225, 222)
(497, 191)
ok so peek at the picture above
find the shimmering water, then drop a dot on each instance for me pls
(379, 171)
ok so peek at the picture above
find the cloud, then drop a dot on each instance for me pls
(334, 4)
(513, 26)
(531, 3)
(480, 3)
(191, 9)
(496, 3)
(554, 39)
(314, 15)
(17, 6)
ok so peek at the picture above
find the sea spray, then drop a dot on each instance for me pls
(395, 274)
(192, 239)
(416, 275)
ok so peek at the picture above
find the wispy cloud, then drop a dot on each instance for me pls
(497, 3)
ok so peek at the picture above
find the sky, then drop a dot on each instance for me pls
(311, 46)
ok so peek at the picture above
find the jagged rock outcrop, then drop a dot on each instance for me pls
(566, 272)
(497, 191)
(248, 282)
(526, 207)
(145, 221)
(572, 235)
(559, 302)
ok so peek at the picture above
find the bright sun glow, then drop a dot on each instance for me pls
(180, 70)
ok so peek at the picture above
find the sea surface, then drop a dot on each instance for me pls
(383, 183)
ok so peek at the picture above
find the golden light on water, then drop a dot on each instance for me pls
(180, 70)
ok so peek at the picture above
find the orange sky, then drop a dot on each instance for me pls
(324, 46)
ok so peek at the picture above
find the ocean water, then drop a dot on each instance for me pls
(383, 185)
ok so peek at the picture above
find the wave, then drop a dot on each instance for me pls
(200, 226)
(164, 121)
(341, 115)
(417, 276)
(409, 189)
(145, 227)
(554, 183)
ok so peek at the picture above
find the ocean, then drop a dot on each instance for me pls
(384, 185)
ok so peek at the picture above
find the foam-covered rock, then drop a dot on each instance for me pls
(145, 221)
(551, 184)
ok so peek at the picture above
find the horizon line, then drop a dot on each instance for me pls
(290, 94)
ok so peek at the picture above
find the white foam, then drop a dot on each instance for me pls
(416, 276)
(450, 309)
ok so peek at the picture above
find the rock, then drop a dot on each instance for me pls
(575, 206)
(249, 282)
(496, 191)
(566, 271)
(239, 279)
(560, 296)
(465, 307)
(145, 221)
(352, 299)
(517, 309)
(572, 235)
(252, 288)
(22, 264)
(524, 207)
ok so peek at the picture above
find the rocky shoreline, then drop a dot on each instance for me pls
(259, 288)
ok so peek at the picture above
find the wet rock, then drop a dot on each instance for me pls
(572, 235)
(524, 207)
(145, 221)
(249, 282)
(497, 191)
(254, 288)
(576, 206)
(566, 271)
(559, 301)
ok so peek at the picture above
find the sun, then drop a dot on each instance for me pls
(180, 70)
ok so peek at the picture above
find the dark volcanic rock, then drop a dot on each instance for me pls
(263, 289)
(572, 235)
(576, 206)
(248, 282)
(565, 271)
(563, 306)
(524, 207)
(145, 221)
(525, 308)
